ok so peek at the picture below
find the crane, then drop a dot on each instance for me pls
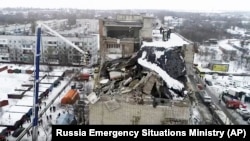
(36, 81)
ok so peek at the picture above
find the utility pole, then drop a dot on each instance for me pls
(36, 83)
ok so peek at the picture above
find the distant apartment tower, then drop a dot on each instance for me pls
(122, 36)
(20, 49)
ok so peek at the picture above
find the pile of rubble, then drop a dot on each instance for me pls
(162, 77)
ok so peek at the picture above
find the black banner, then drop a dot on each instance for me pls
(144, 131)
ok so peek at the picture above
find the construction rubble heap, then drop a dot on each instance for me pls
(153, 72)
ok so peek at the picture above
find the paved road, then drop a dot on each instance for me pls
(215, 100)
(229, 113)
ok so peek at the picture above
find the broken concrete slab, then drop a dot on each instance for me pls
(104, 81)
(112, 105)
(92, 98)
(127, 81)
(149, 84)
(133, 83)
(113, 75)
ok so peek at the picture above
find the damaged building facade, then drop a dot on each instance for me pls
(122, 36)
(146, 87)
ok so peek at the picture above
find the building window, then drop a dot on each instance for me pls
(5, 58)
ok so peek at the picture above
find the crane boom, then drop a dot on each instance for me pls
(64, 39)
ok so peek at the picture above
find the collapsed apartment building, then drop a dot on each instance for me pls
(122, 36)
(145, 87)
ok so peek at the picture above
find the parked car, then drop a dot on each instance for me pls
(232, 102)
(242, 111)
(248, 121)
(205, 97)
(246, 116)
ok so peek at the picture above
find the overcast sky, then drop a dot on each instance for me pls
(196, 5)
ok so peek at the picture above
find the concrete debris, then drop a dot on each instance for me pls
(104, 81)
(149, 85)
(93, 98)
(114, 75)
(126, 76)
(112, 105)
(133, 83)
(126, 82)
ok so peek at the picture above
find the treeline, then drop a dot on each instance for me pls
(20, 17)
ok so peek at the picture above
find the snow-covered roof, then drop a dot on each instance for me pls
(41, 89)
(237, 43)
(28, 83)
(32, 78)
(15, 92)
(49, 80)
(31, 93)
(25, 101)
(10, 81)
(225, 45)
(2, 128)
(237, 30)
(56, 73)
(1, 66)
(171, 82)
(45, 85)
(28, 67)
(41, 74)
(9, 119)
(19, 109)
(174, 40)
(22, 88)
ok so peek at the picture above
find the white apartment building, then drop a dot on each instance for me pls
(91, 25)
(53, 49)
(55, 24)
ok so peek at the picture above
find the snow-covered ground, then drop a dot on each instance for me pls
(18, 107)
(234, 66)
